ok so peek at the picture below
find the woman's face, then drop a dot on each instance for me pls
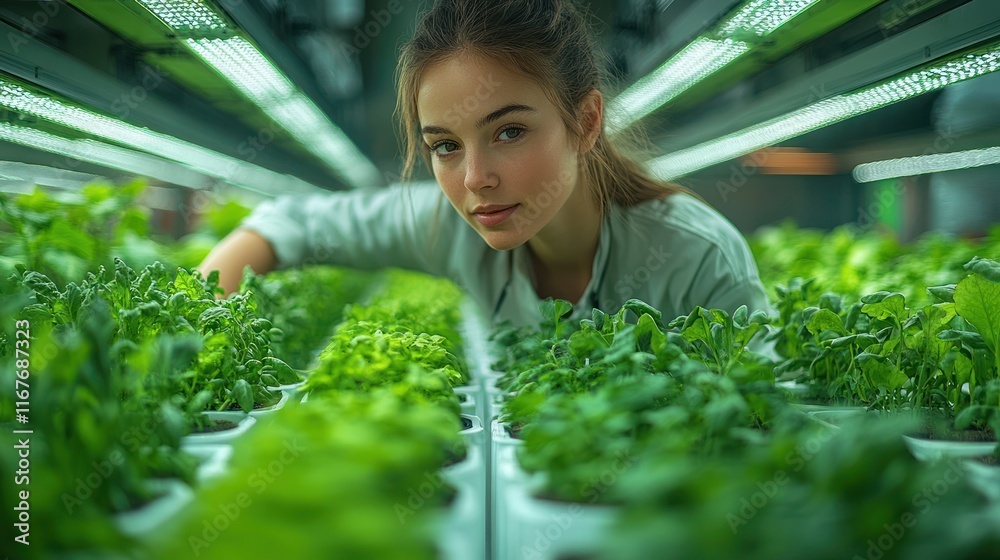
(499, 149)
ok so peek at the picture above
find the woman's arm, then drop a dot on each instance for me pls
(241, 248)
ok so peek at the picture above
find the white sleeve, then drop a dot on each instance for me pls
(406, 227)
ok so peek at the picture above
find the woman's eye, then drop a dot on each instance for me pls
(449, 147)
(511, 133)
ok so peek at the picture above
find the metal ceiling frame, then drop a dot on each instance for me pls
(964, 27)
(48, 67)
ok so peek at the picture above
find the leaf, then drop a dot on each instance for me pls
(987, 268)
(243, 394)
(965, 418)
(825, 320)
(883, 374)
(977, 300)
(883, 305)
(944, 293)
(740, 316)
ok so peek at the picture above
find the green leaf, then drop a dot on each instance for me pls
(243, 394)
(825, 320)
(944, 293)
(883, 305)
(987, 268)
(977, 300)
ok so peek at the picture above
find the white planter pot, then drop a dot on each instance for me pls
(258, 412)
(808, 408)
(243, 423)
(293, 390)
(547, 529)
(471, 405)
(504, 471)
(836, 418)
(174, 496)
(985, 478)
(213, 459)
(793, 387)
(464, 529)
(934, 450)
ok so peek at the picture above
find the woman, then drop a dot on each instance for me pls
(505, 100)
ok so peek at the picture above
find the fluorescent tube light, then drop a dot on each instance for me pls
(761, 17)
(235, 171)
(705, 56)
(824, 113)
(185, 15)
(931, 163)
(698, 60)
(262, 83)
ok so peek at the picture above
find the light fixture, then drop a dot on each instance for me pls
(929, 163)
(238, 172)
(185, 15)
(705, 56)
(824, 113)
(761, 17)
(698, 60)
(244, 66)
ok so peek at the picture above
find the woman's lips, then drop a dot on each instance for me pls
(493, 219)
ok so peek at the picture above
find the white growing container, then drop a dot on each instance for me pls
(243, 423)
(985, 478)
(935, 450)
(547, 529)
(258, 412)
(504, 472)
(174, 497)
(213, 459)
(463, 532)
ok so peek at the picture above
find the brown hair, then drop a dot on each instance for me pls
(548, 41)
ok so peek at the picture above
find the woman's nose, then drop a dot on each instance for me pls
(479, 172)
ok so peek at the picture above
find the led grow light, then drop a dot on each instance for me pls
(698, 60)
(261, 82)
(101, 154)
(185, 15)
(761, 17)
(702, 58)
(235, 171)
(824, 113)
(244, 67)
(931, 163)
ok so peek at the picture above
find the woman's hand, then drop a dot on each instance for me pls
(241, 248)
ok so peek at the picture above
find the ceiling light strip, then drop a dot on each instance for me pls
(697, 61)
(185, 15)
(239, 62)
(233, 170)
(761, 17)
(930, 163)
(824, 113)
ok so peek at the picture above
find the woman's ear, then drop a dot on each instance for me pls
(591, 119)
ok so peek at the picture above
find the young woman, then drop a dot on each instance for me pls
(503, 99)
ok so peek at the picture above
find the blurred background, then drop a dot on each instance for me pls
(878, 113)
